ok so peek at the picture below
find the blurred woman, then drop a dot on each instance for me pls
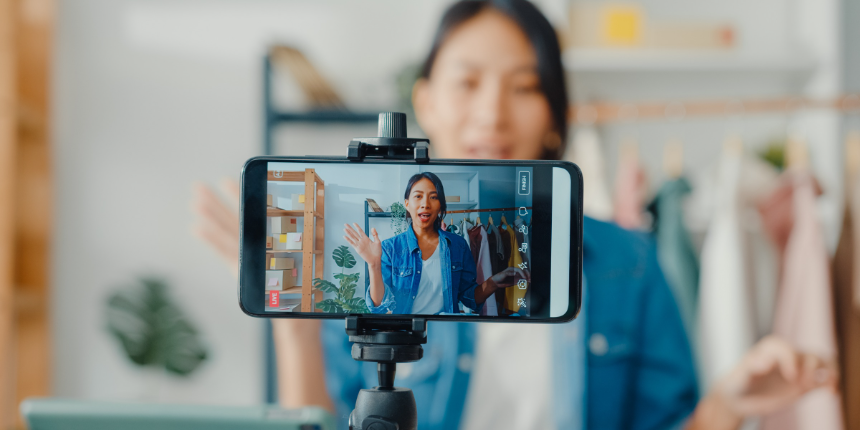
(493, 86)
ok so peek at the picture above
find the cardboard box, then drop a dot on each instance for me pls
(279, 280)
(293, 241)
(281, 263)
(280, 242)
(452, 199)
(269, 200)
(270, 242)
(284, 224)
(298, 202)
(284, 203)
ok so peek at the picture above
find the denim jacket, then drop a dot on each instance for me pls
(401, 273)
(625, 363)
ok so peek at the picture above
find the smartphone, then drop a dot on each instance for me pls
(460, 240)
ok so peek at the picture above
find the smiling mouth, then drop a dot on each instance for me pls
(424, 217)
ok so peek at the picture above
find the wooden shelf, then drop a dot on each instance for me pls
(279, 251)
(270, 211)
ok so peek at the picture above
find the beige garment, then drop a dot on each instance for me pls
(630, 189)
(804, 311)
(726, 323)
(588, 155)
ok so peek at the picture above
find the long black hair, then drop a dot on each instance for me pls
(440, 194)
(543, 39)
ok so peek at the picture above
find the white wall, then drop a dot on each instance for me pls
(151, 96)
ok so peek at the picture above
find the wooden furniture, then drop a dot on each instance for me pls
(26, 184)
(313, 236)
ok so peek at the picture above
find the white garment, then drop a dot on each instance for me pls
(430, 296)
(726, 324)
(587, 154)
(510, 386)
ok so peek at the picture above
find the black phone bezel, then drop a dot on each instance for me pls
(252, 239)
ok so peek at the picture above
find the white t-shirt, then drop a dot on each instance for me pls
(510, 386)
(430, 297)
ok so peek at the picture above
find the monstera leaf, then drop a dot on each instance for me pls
(152, 329)
(343, 258)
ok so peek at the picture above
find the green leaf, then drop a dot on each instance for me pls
(330, 306)
(324, 286)
(343, 258)
(152, 330)
(347, 292)
(347, 278)
(356, 305)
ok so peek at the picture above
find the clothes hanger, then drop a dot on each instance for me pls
(478, 219)
(504, 221)
(490, 219)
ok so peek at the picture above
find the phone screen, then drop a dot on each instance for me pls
(448, 239)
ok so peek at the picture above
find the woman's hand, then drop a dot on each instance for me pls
(217, 220)
(771, 375)
(509, 277)
(369, 250)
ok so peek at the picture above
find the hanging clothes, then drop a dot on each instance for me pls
(513, 294)
(630, 189)
(587, 154)
(846, 282)
(475, 241)
(675, 251)
(485, 271)
(497, 250)
(723, 286)
(804, 310)
(464, 229)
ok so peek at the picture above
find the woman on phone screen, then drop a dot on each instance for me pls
(438, 262)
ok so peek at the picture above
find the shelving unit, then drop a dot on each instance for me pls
(272, 116)
(313, 232)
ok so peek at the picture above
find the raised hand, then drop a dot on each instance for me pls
(369, 250)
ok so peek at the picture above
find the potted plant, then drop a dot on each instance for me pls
(344, 300)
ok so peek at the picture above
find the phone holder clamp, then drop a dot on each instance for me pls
(392, 142)
(387, 342)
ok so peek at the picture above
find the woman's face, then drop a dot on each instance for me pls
(483, 97)
(423, 204)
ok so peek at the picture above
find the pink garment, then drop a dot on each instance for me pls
(804, 309)
(630, 189)
(485, 271)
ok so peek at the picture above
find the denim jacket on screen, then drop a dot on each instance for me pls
(624, 364)
(401, 273)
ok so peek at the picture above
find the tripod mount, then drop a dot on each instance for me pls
(387, 341)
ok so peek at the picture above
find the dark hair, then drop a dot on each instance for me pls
(440, 194)
(543, 39)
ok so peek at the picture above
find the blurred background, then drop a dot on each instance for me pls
(111, 110)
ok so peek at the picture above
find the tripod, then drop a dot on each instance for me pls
(387, 341)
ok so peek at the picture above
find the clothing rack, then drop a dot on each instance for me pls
(611, 112)
(486, 210)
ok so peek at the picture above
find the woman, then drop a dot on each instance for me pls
(429, 254)
(493, 87)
